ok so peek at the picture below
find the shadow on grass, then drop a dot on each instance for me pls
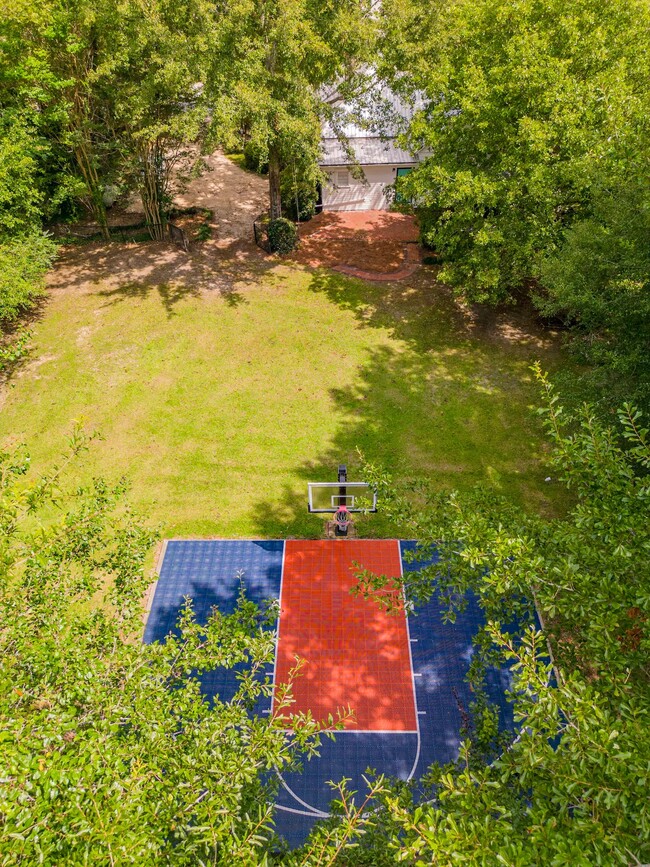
(169, 295)
(444, 400)
(135, 271)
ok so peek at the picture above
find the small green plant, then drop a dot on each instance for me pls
(204, 232)
(13, 351)
(283, 236)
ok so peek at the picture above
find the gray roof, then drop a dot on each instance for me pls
(368, 152)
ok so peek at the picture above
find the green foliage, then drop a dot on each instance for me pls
(204, 232)
(23, 263)
(20, 194)
(270, 62)
(299, 190)
(598, 281)
(13, 350)
(572, 788)
(251, 160)
(110, 754)
(524, 101)
(283, 236)
(109, 95)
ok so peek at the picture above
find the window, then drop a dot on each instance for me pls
(399, 198)
(342, 179)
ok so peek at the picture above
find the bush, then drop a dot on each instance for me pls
(204, 232)
(427, 223)
(283, 236)
(23, 264)
(254, 161)
(299, 197)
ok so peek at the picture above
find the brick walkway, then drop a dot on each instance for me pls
(372, 245)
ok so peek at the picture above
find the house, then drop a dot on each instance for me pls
(371, 141)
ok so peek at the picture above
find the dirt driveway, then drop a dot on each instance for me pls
(358, 242)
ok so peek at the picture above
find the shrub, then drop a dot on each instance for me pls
(283, 236)
(427, 219)
(204, 232)
(23, 264)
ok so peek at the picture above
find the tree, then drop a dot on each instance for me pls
(281, 53)
(598, 279)
(23, 263)
(113, 85)
(572, 787)
(160, 109)
(110, 754)
(523, 102)
(55, 59)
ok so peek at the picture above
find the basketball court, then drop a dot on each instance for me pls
(403, 677)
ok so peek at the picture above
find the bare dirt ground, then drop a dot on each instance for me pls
(372, 241)
(235, 196)
(228, 258)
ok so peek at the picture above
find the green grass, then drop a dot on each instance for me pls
(220, 407)
(240, 160)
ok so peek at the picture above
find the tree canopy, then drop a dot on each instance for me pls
(110, 754)
(572, 787)
(284, 53)
(536, 124)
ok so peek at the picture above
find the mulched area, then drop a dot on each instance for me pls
(377, 245)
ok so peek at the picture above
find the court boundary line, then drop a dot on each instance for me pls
(415, 695)
(338, 732)
(277, 632)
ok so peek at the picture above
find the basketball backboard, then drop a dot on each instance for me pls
(327, 497)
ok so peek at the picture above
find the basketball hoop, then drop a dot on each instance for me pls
(343, 520)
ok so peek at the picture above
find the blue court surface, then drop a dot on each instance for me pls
(211, 573)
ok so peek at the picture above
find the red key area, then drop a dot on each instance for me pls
(355, 653)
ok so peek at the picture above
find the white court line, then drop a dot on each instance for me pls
(277, 634)
(302, 812)
(314, 811)
(415, 697)
(338, 732)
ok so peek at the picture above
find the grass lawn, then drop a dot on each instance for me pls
(220, 407)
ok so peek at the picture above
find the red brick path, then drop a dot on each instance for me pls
(373, 245)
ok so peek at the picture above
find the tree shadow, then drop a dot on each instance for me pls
(169, 295)
(434, 402)
(127, 271)
(11, 335)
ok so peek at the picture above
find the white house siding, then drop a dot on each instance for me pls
(357, 195)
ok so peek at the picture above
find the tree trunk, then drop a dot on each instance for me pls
(151, 189)
(275, 198)
(82, 130)
(87, 167)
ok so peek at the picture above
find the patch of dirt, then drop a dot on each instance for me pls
(509, 324)
(372, 241)
(229, 257)
(235, 196)
(119, 271)
(191, 224)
